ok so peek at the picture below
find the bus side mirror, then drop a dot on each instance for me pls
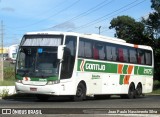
(60, 51)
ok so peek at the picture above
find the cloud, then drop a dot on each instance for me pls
(8, 9)
(65, 25)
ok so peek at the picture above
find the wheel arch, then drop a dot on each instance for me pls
(84, 83)
(132, 83)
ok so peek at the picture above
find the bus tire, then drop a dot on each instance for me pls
(42, 97)
(139, 90)
(80, 93)
(131, 91)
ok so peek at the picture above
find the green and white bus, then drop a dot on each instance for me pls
(79, 65)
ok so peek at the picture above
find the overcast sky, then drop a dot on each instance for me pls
(83, 16)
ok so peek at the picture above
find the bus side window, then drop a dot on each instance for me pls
(120, 54)
(88, 49)
(133, 56)
(95, 53)
(85, 48)
(123, 54)
(111, 53)
(100, 52)
(148, 57)
(140, 58)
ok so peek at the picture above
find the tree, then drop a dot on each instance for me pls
(152, 25)
(146, 32)
(156, 5)
(152, 28)
(128, 29)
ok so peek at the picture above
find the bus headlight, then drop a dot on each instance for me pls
(53, 82)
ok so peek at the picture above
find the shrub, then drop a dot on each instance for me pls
(9, 73)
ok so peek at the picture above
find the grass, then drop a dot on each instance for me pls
(9, 74)
(156, 87)
(7, 83)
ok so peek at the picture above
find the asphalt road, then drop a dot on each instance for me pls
(149, 103)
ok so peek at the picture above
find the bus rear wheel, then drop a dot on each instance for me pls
(139, 90)
(131, 92)
(80, 93)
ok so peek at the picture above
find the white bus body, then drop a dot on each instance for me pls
(92, 65)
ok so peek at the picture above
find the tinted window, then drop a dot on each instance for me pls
(85, 48)
(133, 55)
(98, 50)
(111, 52)
(140, 55)
(148, 56)
(123, 54)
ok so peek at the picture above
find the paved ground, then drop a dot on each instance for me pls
(90, 108)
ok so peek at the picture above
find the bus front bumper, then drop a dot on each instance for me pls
(35, 89)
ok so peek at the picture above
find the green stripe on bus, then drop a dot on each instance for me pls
(121, 79)
(91, 66)
(106, 67)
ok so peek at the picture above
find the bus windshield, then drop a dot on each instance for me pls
(37, 62)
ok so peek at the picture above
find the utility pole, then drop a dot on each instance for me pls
(99, 28)
(1, 58)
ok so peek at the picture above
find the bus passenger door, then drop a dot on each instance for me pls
(68, 57)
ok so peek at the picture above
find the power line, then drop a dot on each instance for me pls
(102, 18)
(91, 10)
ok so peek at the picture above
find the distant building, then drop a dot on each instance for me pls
(5, 52)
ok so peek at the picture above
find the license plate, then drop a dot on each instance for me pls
(33, 89)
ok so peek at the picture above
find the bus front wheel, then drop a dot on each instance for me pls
(80, 93)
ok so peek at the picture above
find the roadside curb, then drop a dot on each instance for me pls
(11, 93)
(10, 89)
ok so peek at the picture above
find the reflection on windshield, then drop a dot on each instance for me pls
(38, 61)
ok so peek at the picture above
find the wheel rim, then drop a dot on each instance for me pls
(139, 90)
(131, 92)
(79, 92)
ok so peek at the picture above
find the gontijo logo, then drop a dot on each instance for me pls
(92, 66)
(99, 67)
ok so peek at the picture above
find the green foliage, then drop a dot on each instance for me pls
(152, 25)
(130, 30)
(156, 85)
(156, 5)
(152, 28)
(9, 75)
(146, 32)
